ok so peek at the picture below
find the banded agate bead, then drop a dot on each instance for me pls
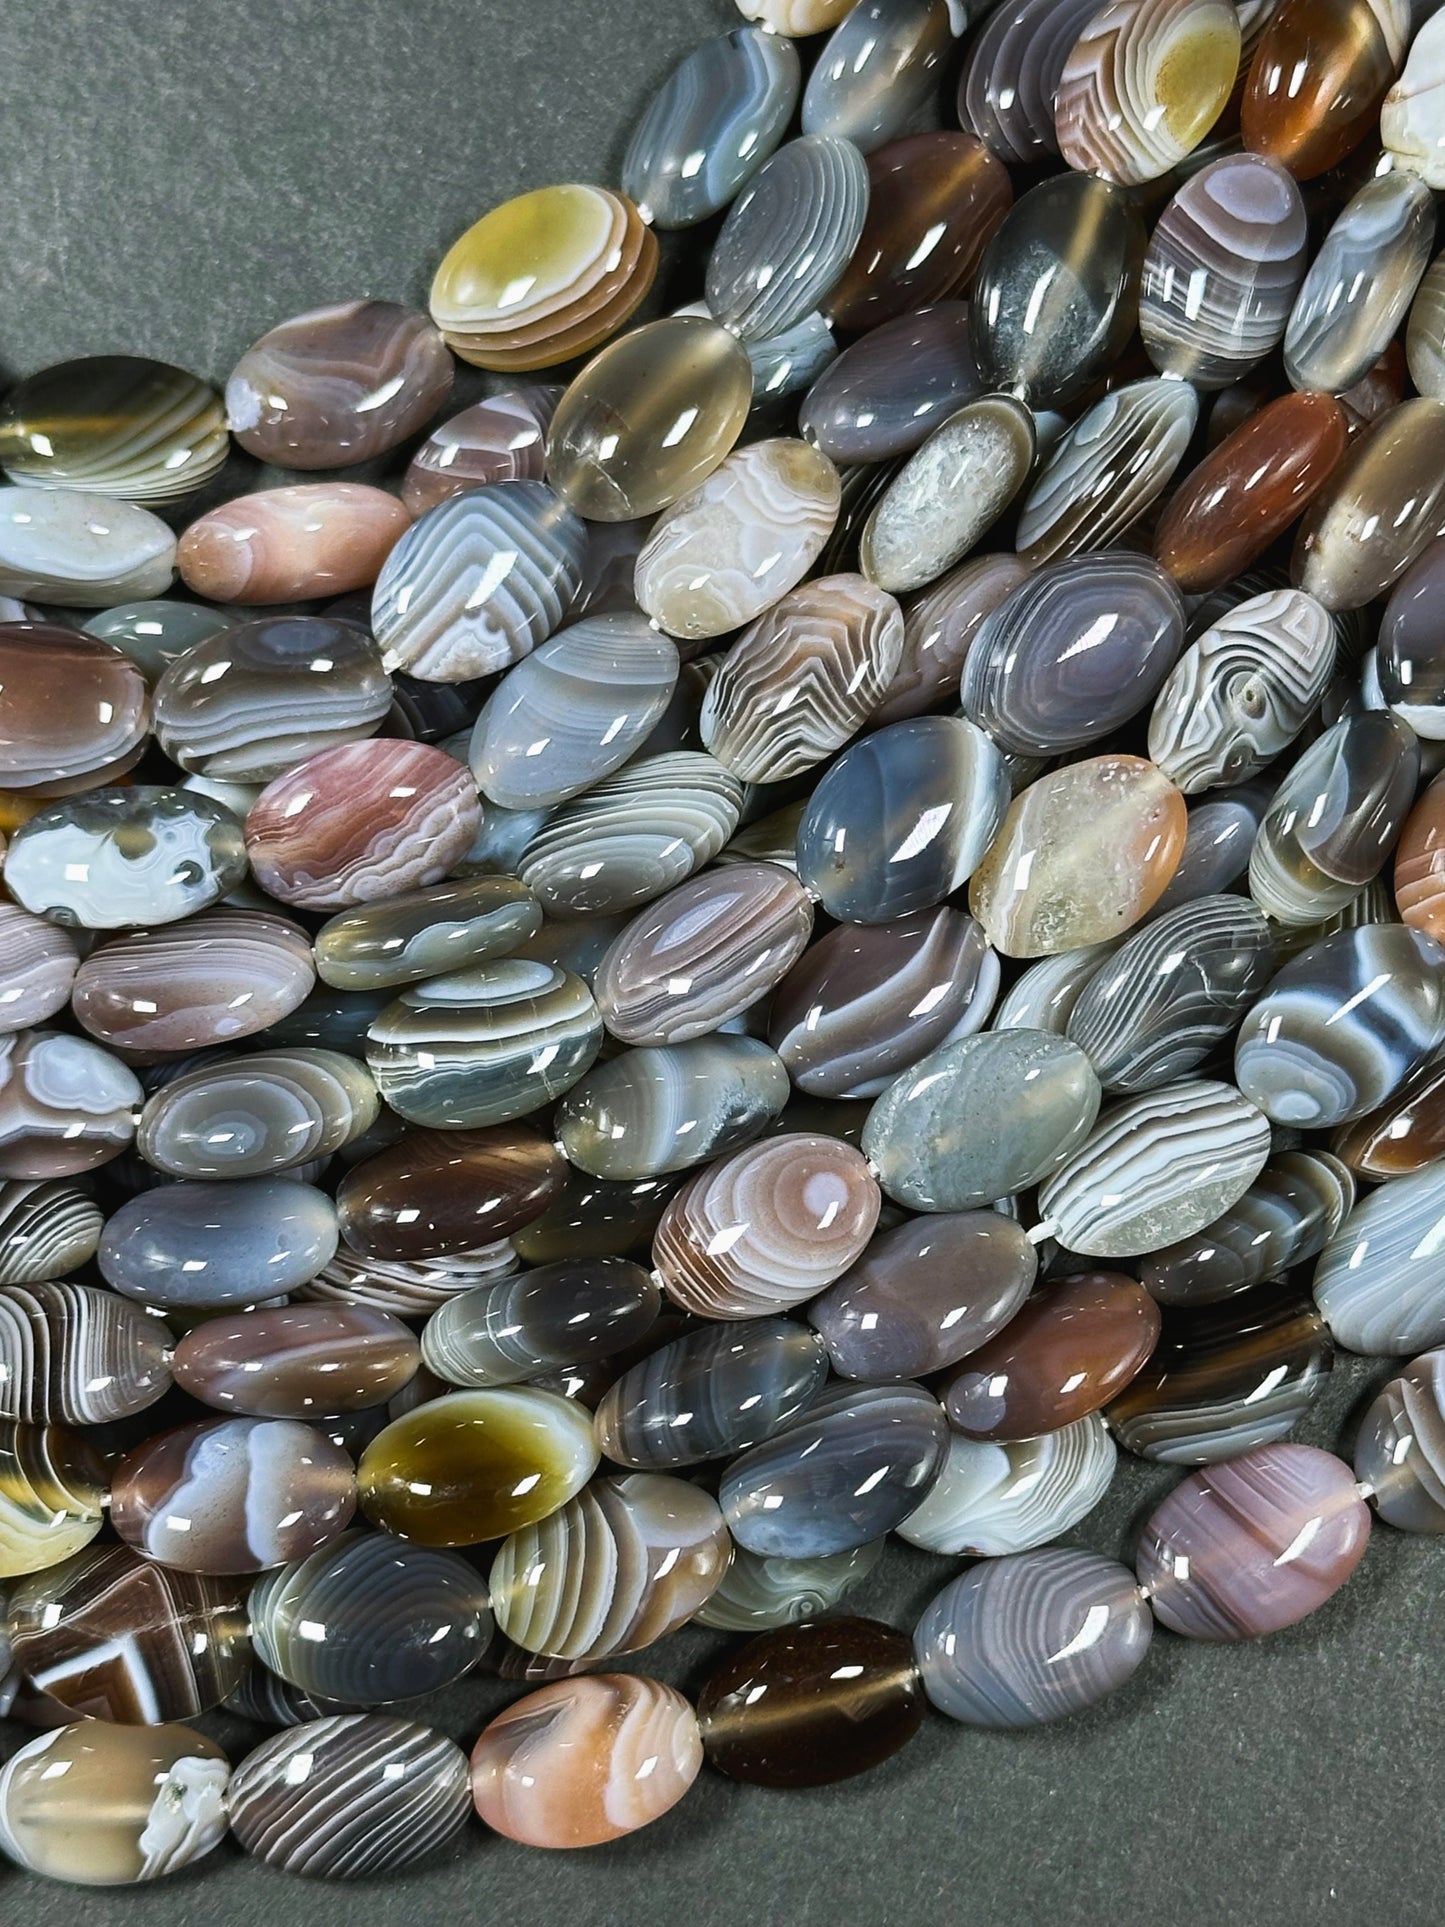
(571, 1313)
(114, 425)
(664, 1108)
(1400, 1447)
(83, 550)
(74, 711)
(297, 1361)
(245, 1117)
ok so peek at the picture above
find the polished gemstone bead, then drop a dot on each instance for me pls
(362, 821)
(788, 236)
(1383, 507)
(118, 857)
(53, 1488)
(1380, 1281)
(1290, 1212)
(1156, 1168)
(297, 1361)
(476, 1465)
(649, 419)
(712, 123)
(1057, 291)
(245, 1117)
(1220, 834)
(255, 700)
(425, 933)
(1320, 71)
(703, 953)
(292, 544)
(1225, 1378)
(73, 710)
(744, 537)
(1032, 1637)
(1043, 996)
(349, 1796)
(997, 1497)
(500, 439)
(948, 493)
(545, 276)
(203, 1244)
(1224, 265)
(267, 1700)
(1106, 471)
(858, 1461)
(981, 1119)
(1172, 992)
(864, 1003)
(1425, 335)
(1248, 490)
(1335, 818)
(65, 1105)
(232, 1495)
(436, 1193)
(759, 1591)
(879, 73)
(97, 1805)
(812, 1703)
(1011, 74)
(1072, 653)
(939, 628)
(766, 1227)
(1254, 1545)
(83, 550)
(1402, 1134)
(413, 1290)
(154, 633)
(569, 1313)
(1400, 1447)
(1410, 662)
(885, 392)
(338, 385)
(1243, 691)
(1412, 119)
(1082, 855)
(668, 1107)
(585, 1760)
(367, 1620)
(1071, 1348)
(934, 200)
(82, 1356)
(925, 1294)
(478, 581)
(615, 1569)
(902, 819)
(711, 1392)
(48, 1227)
(114, 425)
(1360, 284)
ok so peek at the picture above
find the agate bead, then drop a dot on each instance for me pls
(1402, 1134)
(887, 391)
(53, 1487)
(939, 627)
(1410, 662)
(154, 633)
(292, 544)
(1425, 334)
(1380, 1281)
(115, 425)
(1320, 71)
(73, 710)
(1382, 508)
(500, 439)
(880, 70)
(297, 1361)
(1400, 1448)
(570, 1313)
(83, 550)
(246, 1117)
(425, 933)
(758, 1592)
(65, 1105)
(434, 1194)
(1360, 284)
(1011, 74)
(666, 1108)
(82, 1356)
(204, 1244)
(1290, 1212)
(997, 1497)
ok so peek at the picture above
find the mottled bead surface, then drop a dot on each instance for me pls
(204, 1244)
(500, 439)
(1360, 284)
(569, 1313)
(668, 1107)
(83, 1356)
(297, 1361)
(83, 550)
(1032, 1637)
(436, 1193)
(73, 710)
(349, 1796)
(114, 425)
(1213, 1555)
(53, 1486)
(997, 1497)
(585, 1760)
(65, 1105)
(1400, 1448)
(1380, 1281)
(888, 390)
(1290, 1212)
(291, 544)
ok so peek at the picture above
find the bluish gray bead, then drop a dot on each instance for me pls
(205, 1244)
(1380, 1281)
(879, 74)
(1400, 1450)
(997, 1496)
(759, 1592)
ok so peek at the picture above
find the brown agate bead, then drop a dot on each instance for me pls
(1249, 489)
(813, 1703)
(292, 544)
(1320, 72)
(1402, 1134)
(297, 1360)
(1071, 1349)
(935, 200)
(501, 439)
(436, 1193)
(1420, 862)
(73, 710)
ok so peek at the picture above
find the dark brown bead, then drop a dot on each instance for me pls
(1072, 1348)
(812, 1703)
(1227, 511)
(434, 1193)
(1404, 1133)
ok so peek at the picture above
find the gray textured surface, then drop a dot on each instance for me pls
(179, 176)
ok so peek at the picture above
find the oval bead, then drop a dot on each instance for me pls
(1082, 855)
(82, 1356)
(53, 1488)
(73, 710)
(84, 550)
(1073, 653)
(902, 819)
(1384, 505)
(119, 857)
(38, 962)
(291, 544)
(247, 1117)
(203, 1244)
(413, 1290)
(994, 1498)
(666, 1108)
(1402, 1134)
(433, 1194)
(477, 582)
(1380, 1281)
(880, 70)
(114, 425)
(425, 933)
(585, 1760)
(47, 1228)
(888, 390)
(1213, 1554)
(1360, 284)
(65, 1105)
(618, 1567)
(545, 276)
(811, 1704)
(702, 953)
(562, 1314)
(1032, 1637)
(154, 633)
(1320, 71)
(858, 1461)
(1220, 834)
(500, 439)
(298, 1361)
(1425, 334)
(1400, 1448)
(711, 1392)
(758, 1593)
(649, 419)
(713, 122)
(939, 628)
(1409, 661)
(766, 1227)
(1410, 119)
(981, 1119)
(788, 236)
(1290, 1212)
(476, 1465)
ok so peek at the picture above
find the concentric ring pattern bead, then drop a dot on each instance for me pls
(83, 1356)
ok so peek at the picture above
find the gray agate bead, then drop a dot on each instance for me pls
(1012, 72)
(1380, 1281)
(568, 1313)
(997, 1496)
(713, 122)
(1400, 1450)
(902, 819)
(858, 1461)
(667, 1108)
(760, 1591)
(1360, 284)
(245, 1117)
(1032, 1637)
(879, 74)
(425, 933)
(891, 388)
(202, 1244)
(1291, 1211)
(1217, 842)
(981, 1119)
